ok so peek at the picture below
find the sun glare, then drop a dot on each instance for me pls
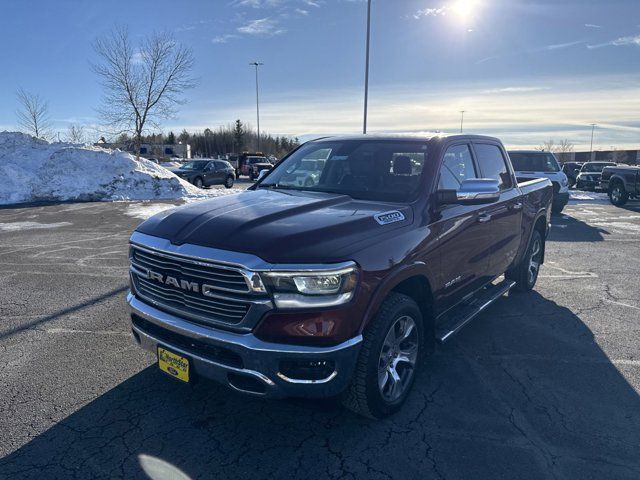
(465, 9)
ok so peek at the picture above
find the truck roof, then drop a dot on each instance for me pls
(529, 151)
(423, 136)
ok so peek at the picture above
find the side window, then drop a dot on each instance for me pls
(492, 164)
(456, 167)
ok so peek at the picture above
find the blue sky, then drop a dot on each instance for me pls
(524, 70)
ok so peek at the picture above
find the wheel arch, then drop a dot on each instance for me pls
(413, 281)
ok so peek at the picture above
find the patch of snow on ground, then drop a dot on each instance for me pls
(577, 197)
(19, 226)
(33, 170)
(145, 211)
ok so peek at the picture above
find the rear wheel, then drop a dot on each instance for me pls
(228, 183)
(526, 273)
(388, 360)
(617, 194)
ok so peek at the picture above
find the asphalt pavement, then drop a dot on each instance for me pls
(542, 385)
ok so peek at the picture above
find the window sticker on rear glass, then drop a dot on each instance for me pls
(389, 217)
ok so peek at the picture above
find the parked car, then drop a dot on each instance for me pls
(204, 173)
(590, 173)
(536, 164)
(621, 183)
(342, 287)
(253, 165)
(571, 170)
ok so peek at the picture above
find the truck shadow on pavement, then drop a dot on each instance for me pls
(565, 228)
(523, 392)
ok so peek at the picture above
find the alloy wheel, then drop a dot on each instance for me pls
(534, 260)
(398, 357)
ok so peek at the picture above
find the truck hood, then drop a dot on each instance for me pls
(279, 226)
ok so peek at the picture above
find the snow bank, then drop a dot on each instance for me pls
(35, 170)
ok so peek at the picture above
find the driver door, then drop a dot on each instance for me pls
(463, 237)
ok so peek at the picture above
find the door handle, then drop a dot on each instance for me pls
(517, 206)
(484, 218)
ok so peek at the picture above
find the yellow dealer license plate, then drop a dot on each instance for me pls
(173, 364)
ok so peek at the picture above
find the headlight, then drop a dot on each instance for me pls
(313, 288)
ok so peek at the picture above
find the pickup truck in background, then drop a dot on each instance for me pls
(530, 164)
(621, 183)
(589, 176)
(343, 286)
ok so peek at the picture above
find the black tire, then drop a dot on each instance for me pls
(522, 274)
(557, 209)
(364, 395)
(228, 183)
(618, 195)
(252, 176)
(198, 182)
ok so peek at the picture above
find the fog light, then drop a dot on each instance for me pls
(306, 370)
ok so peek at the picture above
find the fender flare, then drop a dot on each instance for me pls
(397, 276)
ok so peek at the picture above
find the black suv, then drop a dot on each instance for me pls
(204, 173)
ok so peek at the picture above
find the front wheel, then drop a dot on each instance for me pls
(388, 359)
(228, 183)
(198, 182)
(526, 273)
(618, 195)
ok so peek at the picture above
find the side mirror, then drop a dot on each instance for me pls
(475, 191)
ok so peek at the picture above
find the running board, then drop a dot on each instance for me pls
(467, 312)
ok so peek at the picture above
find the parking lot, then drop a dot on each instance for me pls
(541, 385)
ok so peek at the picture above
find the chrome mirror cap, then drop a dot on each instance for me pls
(478, 191)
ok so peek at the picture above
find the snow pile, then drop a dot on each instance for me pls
(34, 170)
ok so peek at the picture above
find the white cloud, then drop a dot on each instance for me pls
(592, 25)
(430, 12)
(262, 27)
(302, 11)
(258, 3)
(223, 38)
(559, 46)
(516, 89)
(619, 42)
(522, 116)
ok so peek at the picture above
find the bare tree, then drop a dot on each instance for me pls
(548, 146)
(33, 116)
(141, 85)
(565, 146)
(75, 134)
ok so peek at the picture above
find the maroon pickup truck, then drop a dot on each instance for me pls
(343, 285)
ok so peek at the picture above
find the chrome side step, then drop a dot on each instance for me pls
(465, 313)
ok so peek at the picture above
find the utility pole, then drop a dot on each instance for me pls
(257, 64)
(593, 128)
(366, 69)
(461, 119)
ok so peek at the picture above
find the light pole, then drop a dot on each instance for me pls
(593, 128)
(461, 119)
(366, 68)
(257, 64)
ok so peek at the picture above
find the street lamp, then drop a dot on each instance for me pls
(461, 119)
(257, 64)
(593, 128)
(366, 68)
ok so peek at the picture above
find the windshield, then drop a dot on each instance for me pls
(595, 167)
(383, 170)
(534, 162)
(195, 165)
(253, 160)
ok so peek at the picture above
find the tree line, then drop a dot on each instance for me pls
(232, 138)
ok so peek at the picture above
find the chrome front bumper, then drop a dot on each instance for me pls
(247, 363)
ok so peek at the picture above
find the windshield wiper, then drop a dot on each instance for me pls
(274, 186)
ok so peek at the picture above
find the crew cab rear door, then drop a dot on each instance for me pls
(462, 238)
(502, 219)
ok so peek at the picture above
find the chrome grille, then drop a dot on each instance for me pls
(228, 300)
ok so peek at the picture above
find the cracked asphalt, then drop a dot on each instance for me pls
(541, 386)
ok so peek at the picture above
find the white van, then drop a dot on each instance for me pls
(539, 164)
